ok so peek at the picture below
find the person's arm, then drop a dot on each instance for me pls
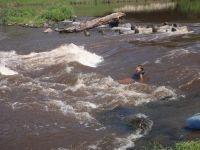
(126, 80)
(141, 78)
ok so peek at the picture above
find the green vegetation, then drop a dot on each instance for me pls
(184, 145)
(50, 2)
(20, 15)
(189, 8)
(57, 13)
(29, 15)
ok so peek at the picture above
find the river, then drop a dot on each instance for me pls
(58, 91)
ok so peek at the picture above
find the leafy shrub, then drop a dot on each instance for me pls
(57, 13)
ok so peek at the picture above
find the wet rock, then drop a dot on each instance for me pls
(155, 29)
(102, 31)
(9, 24)
(133, 27)
(137, 30)
(25, 25)
(48, 30)
(87, 33)
(73, 18)
(20, 24)
(174, 25)
(173, 29)
(45, 25)
(114, 23)
(140, 122)
(120, 32)
(165, 23)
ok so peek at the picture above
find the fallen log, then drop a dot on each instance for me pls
(93, 23)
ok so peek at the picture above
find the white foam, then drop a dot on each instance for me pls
(69, 110)
(6, 71)
(163, 92)
(173, 54)
(95, 89)
(4, 63)
(65, 53)
(128, 141)
(87, 104)
(36, 61)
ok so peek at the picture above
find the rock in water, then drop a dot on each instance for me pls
(120, 32)
(174, 29)
(140, 122)
(87, 33)
(133, 27)
(103, 32)
(48, 30)
(137, 30)
(165, 23)
(45, 25)
(154, 29)
(175, 25)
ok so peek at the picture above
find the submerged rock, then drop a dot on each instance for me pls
(48, 30)
(140, 121)
(87, 33)
(133, 27)
(154, 29)
(137, 30)
(102, 31)
(120, 32)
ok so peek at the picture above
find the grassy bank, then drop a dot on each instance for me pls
(189, 8)
(34, 12)
(184, 145)
(72, 2)
(33, 16)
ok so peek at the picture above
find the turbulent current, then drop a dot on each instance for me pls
(59, 91)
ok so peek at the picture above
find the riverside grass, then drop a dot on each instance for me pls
(47, 2)
(190, 9)
(29, 15)
(184, 145)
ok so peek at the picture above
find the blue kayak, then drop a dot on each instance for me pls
(194, 121)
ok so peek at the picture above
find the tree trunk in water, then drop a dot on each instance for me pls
(93, 23)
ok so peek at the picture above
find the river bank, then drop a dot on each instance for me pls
(40, 15)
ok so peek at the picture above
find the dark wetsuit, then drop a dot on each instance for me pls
(136, 75)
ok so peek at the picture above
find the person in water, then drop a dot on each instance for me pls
(137, 76)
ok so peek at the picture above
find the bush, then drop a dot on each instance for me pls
(57, 13)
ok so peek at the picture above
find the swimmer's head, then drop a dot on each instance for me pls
(139, 68)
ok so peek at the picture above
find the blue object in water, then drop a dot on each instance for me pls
(194, 121)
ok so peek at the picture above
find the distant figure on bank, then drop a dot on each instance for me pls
(138, 76)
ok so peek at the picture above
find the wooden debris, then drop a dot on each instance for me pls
(93, 23)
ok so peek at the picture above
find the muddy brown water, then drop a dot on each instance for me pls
(58, 91)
